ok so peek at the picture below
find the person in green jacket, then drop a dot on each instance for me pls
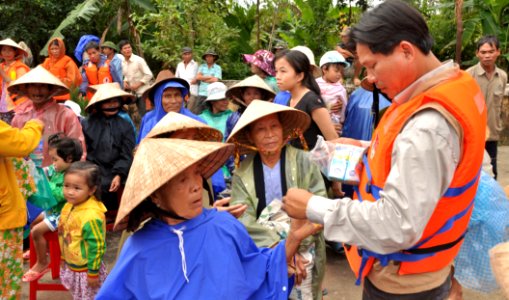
(271, 167)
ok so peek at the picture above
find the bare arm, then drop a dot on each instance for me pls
(322, 119)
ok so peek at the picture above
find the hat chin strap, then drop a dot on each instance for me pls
(169, 214)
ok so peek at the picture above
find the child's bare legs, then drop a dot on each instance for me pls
(41, 246)
(37, 220)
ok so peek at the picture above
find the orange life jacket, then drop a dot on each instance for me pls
(13, 100)
(444, 232)
(97, 75)
(59, 69)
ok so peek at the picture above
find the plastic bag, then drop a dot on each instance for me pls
(43, 198)
(337, 161)
(499, 256)
(489, 226)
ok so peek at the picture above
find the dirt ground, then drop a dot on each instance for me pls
(339, 280)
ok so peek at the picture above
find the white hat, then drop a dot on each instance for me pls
(216, 91)
(75, 107)
(333, 57)
(303, 49)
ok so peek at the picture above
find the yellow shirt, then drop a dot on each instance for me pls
(14, 142)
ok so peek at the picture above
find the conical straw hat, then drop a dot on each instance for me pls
(173, 122)
(13, 44)
(235, 91)
(38, 75)
(109, 91)
(157, 161)
(289, 117)
(162, 77)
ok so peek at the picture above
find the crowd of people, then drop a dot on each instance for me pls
(214, 189)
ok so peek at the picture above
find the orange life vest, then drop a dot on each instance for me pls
(97, 75)
(443, 234)
(59, 69)
(13, 100)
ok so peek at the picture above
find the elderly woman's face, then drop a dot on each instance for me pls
(182, 194)
(185, 134)
(172, 100)
(267, 134)
(250, 94)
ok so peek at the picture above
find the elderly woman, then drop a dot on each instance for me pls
(269, 170)
(167, 94)
(185, 251)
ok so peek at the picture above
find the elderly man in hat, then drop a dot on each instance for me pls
(39, 85)
(208, 72)
(187, 69)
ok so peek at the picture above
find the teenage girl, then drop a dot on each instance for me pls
(63, 151)
(294, 74)
(82, 232)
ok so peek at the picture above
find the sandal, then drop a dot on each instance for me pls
(26, 255)
(32, 275)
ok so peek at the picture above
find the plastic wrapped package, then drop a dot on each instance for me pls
(489, 226)
(338, 162)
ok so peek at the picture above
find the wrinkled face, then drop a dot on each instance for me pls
(76, 189)
(250, 94)
(107, 51)
(59, 163)
(488, 55)
(172, 100)
(54, 51)
(8, 53)
(209, 59)
(38, 93)
(267, 134)
(126, 50)
(219, 105)
(186, 57)
(94, 55)
(182, 194)
(111, 107)
(287, 78)
(390, 73)
(333, 74)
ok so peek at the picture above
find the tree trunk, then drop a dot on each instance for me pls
(459, 29)
(257, 24)
(132, 29)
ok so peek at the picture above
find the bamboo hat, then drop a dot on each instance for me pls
(289, 117)
(173, 122)
(109, 91)
(38, 75)
(235, 91)
(9, 42)
(157, 161)
(163, 77)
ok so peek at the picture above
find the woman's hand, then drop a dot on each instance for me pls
(300, 268)
(93, 282)
(347, 141)
(236, 210)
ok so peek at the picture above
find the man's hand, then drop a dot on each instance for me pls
(295, 202)
(115, 183)
(347, 141)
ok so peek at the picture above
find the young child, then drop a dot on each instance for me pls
(332, 91)
(81, 232)
(63, 151)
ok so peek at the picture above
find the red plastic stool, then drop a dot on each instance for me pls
(54, 255)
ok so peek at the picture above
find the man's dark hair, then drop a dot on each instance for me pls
(390, 23)
(92, 45)
(490, 40)
(122, 43)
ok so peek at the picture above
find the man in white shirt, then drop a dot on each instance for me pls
(187, 70)
(420, 173)
(137, 74)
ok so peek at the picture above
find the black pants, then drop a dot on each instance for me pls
(371, 292)
(142, 108)
(491, 148)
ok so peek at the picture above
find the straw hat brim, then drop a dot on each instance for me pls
(38, 75)
(108, 92)
(289, 117)
(157, 161)
(13, 44)
(235, 91)
(173, 122)
(150, 92)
